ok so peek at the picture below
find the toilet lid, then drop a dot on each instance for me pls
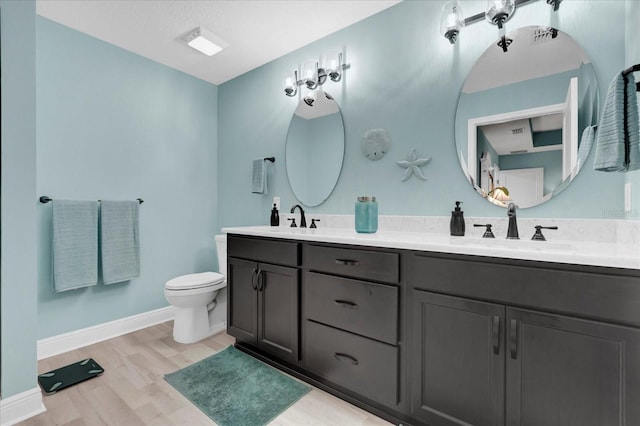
(202, 279)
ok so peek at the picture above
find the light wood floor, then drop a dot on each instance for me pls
(132, 391)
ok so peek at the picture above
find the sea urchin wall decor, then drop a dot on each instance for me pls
(413, 165)
(375, 144)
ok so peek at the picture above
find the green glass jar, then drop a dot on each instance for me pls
(366, 215)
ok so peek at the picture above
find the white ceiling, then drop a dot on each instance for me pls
(257, 31)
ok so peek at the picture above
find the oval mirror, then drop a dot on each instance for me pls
(315, 148)
(521, 117)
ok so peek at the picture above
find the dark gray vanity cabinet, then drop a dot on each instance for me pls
(428, 338)
(568, 371)
(457, 363)
(264, 297)
(350, 311)
(509, 361)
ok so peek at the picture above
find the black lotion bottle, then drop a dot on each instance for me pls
(457, 221)
(275, 216)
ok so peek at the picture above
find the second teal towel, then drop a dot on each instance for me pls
(610, 138)
(119, 241)
(75, 244)
(633, 124)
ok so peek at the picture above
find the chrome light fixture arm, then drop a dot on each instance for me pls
(313, 75)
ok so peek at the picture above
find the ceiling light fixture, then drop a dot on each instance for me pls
(205, 41)
(497, 12)
(313, 75)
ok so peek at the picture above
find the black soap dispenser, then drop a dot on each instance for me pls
(457, 221)
(275, 216)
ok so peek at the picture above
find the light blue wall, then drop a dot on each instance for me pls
(632, 57)
(404, 77)
(114, 125)
(18, 276)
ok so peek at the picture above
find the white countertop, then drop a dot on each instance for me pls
(578, 252)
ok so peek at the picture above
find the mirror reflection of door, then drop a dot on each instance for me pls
(527, 108)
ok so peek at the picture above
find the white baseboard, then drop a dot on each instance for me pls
(20, 407)
(217, 328)
(61, 343)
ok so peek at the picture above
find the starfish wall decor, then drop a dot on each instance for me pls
(413, 166)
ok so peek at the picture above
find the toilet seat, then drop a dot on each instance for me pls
(195, 281)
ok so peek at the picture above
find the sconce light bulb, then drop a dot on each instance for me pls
(499, 11)
(290, 83)
(451, 21)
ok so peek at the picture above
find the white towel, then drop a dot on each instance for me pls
(75, 244)
(259, 184)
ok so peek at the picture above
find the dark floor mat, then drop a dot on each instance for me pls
(69, 375)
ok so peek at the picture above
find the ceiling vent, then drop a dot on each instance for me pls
(543, 35)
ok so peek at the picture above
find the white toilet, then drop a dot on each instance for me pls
(194, 298)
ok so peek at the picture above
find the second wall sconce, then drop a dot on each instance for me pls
(313, 75)
(496, 12)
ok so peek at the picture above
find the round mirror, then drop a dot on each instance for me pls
(315, 148)
(521, 117)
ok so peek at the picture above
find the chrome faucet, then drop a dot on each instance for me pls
(512, 231)
(303, 220)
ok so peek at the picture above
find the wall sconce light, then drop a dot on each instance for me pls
(205, 41)
(497, 12)
(452, 21)
(313, 75)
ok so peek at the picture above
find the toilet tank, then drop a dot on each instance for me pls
(221, 247)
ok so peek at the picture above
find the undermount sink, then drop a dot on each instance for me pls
(502, 243)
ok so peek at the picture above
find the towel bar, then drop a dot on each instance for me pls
(45, 199)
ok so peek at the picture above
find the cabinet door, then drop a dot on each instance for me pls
(565, 371)
(242, 314)
(457, 361)
(278, 311)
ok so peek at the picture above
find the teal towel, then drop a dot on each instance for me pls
(610, 146)
(119, 241)
(633, 125)
(586, 141)
(75, 244)
(259, 182)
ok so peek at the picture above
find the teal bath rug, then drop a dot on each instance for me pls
(235, 389)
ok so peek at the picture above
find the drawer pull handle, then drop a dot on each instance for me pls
(495, 333)
(344, 357)
(513, 337)
(346, 304)
(347, 262)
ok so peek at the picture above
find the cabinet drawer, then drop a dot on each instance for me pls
(264, 250)
(367, 264)
(365, 366)
(361, 307)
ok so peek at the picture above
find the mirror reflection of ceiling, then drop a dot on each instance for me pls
(316, 105)
(544, 55)
(524, 135)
